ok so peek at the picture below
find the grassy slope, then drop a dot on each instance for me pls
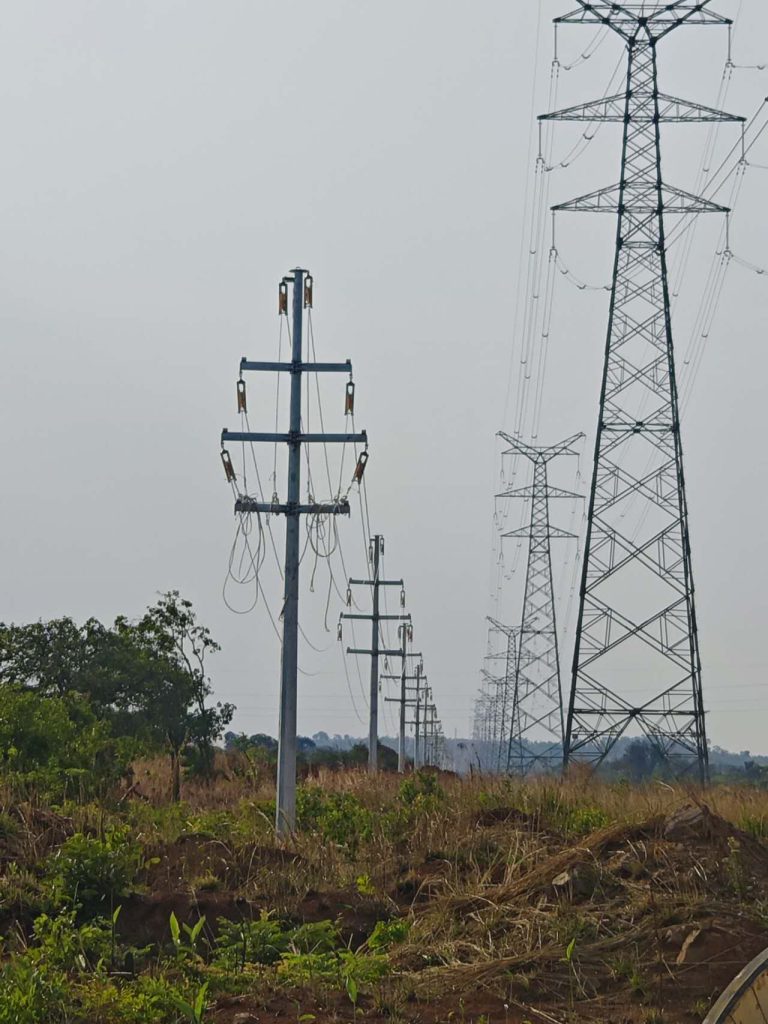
(541, 901)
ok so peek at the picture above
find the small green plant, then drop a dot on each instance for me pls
(755, 825)
(570, 949)
(735, 870)
(421, 790)
(194, 1012)
(249, 942)
(95, 874)
(387, 934)
(654, 1017)
(365, 886)
(185, 937)
(317, 937)
(583, 820)
(32, 992)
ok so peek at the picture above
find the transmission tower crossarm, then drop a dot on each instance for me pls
(529, 492)
(628, 19)
(552, 532)
(671, 109)
(542, 454)
(642, 196)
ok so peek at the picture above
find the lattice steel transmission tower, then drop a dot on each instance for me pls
(536, 715)
(636, 660)
(494, 701)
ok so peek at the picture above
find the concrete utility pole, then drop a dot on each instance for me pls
(301, 281)
(415, 702)
(377, 549)
(406, 635)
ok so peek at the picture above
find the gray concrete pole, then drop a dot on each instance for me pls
(417, 738)
(403, 697)
(373, 729)
(285, 819)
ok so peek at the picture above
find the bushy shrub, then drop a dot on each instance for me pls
(250, 942)
(339, 817)
(32, 993)
(93, 874)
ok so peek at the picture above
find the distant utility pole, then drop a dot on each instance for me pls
(376, 550)
(405, 632)
(301, 281)
(415, 702)
(537, 699)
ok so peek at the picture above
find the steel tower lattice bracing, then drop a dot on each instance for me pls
(636, 659)
(536, 714)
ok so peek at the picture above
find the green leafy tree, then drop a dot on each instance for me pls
(175, 689)
(147, 679)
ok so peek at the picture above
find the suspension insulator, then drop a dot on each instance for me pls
(282, 299)
(349, 399)
(402, 598)
(409, 628)
(370, 550)
(242, 401)
(349, 597)
(308, 289)
(339, 632)
(362, 461)
(229, 469)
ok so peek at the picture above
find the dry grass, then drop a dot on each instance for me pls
(572, 898)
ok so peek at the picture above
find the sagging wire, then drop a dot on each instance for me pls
(244, 569)
(590, 50)
(589, 135)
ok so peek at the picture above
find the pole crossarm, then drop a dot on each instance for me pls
(293, 437)
(341, 507)
(295, 367)
(374, 583)
(367, 650)
(380, 618)
(671, 110)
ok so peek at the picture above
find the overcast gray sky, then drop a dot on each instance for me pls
(166, 162)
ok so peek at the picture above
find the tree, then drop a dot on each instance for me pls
(147, 679)
(51, 741)
(177, 646)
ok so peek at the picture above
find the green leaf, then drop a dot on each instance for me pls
(569, 950)
(200, 1001)
(352, 989)
(175, 930)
